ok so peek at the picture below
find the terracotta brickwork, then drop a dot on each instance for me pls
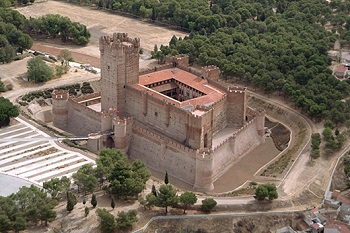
(174, 118)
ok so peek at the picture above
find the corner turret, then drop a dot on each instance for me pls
(59, 108)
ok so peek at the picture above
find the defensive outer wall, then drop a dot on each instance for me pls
(147, 126)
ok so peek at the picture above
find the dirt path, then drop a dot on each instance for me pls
(78, 57)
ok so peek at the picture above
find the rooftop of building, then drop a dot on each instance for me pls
(337, 227)
(341, 69)
(209, 93)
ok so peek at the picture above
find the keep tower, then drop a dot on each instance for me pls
(119, 68)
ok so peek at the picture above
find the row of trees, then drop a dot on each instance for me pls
(54, 25)
(8, 3)
(12, 38)
(14, 30)
(28, 205)
(124, 180)
(108, 223)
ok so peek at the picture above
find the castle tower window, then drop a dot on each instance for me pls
(156, 113)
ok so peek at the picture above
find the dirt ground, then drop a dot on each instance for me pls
(101, 23)
(262, 223)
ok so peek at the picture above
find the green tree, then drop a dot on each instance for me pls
(85, 178)
(35, 204)
(7, 110)
(5, 3)
(112, 203)
(166, 178)
(126, 219)
(187, 199)
(167, 197)
(150, 201)
(5, 223)
(126, 180)
(173, 40)
(208, 204)
(266, 191)
(94, 200)
(71, 201)
(315, 141)
(55, 186)
(86, 211)
(20, 224)
(107, 221)
(327, 134)
(2, 87)
(154, 190)
(38, 70)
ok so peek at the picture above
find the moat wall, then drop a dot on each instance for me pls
(163, 155)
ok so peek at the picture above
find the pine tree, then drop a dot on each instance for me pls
(112, 203)
(70, 204)
(154, 190)
(87, 211)
(166, 179)
(71, 201)
(93, 200)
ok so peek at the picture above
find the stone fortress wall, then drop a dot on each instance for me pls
(164, 136)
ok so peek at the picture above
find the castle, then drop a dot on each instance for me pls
(173, 118)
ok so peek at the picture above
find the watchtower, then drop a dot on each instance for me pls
(59, 108)
(119, 68)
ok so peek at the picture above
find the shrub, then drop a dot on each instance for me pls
(208, 204)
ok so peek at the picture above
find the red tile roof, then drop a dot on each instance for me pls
(211, 93)
(341, 69)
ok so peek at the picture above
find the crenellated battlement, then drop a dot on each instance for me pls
(211, 72)
(124, 120)
(161, 139)
(87, 97)
(205, 154)
(237, 89)
(157, 68)
(60, 94)
(117, 41)
(235, 134)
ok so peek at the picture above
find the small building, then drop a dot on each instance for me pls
(341, 72)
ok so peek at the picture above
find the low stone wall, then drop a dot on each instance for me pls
(82, 120)
(227, 153)
(163, 155)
